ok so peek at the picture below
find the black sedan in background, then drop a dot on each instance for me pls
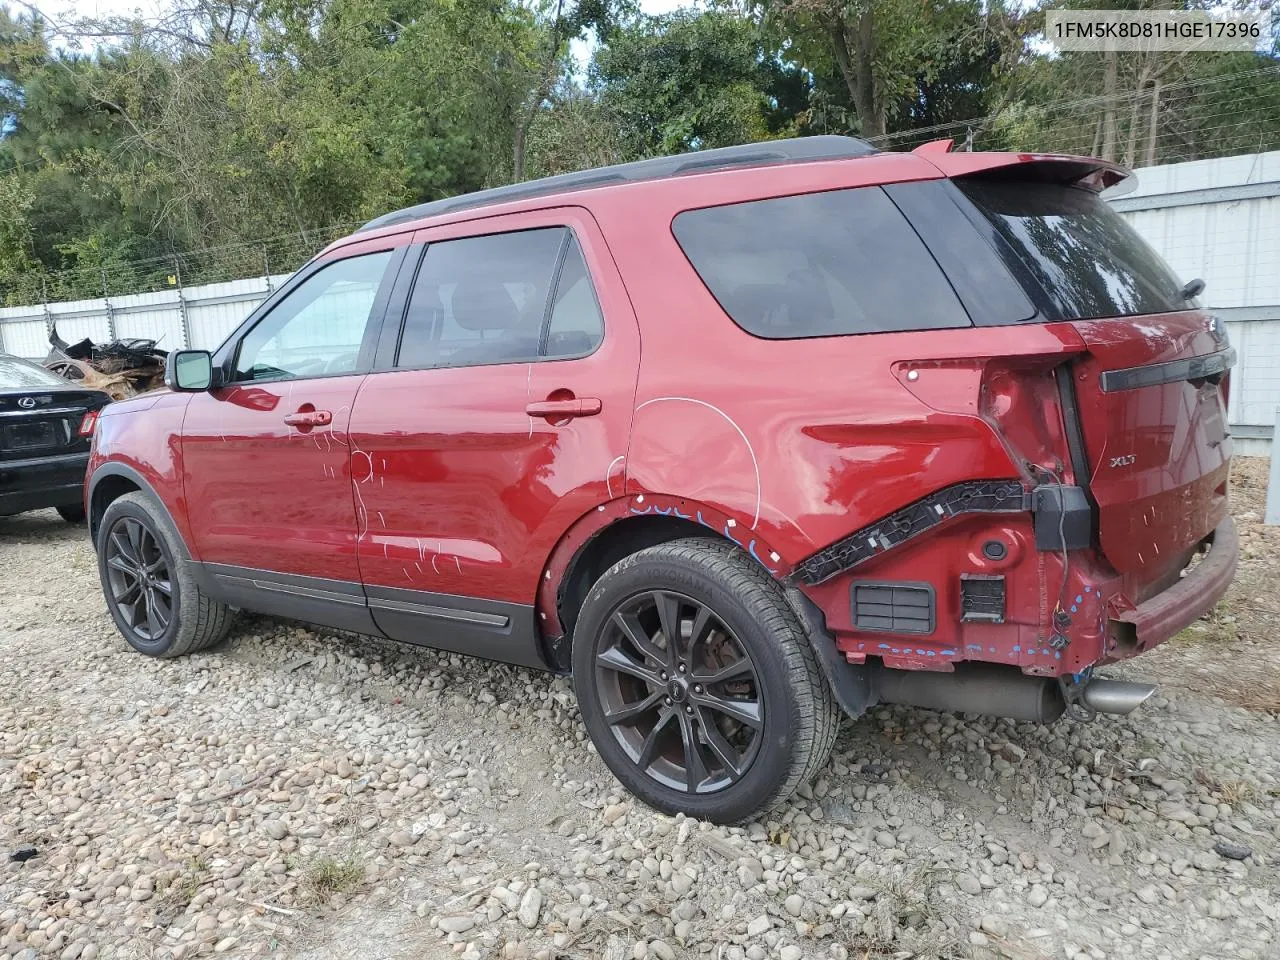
(46, 425)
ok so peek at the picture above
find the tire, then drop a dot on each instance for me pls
(72, 513)
(159, 624)
(760, 730)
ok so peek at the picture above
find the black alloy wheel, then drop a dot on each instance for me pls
(139, 579)
(154, 595)
(680, 692)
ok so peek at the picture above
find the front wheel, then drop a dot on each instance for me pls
(697, 682)
(153, 597)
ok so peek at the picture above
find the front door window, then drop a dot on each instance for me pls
(317, 329)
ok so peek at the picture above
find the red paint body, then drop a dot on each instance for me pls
(439, 480)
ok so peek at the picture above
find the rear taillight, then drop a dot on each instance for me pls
(88, 424)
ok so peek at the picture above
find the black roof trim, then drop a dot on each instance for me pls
(796, 150)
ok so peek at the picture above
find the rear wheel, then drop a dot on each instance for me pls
(73, 513)
(697, 683)
(151, 593)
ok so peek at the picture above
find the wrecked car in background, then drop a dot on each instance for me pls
(121, 368)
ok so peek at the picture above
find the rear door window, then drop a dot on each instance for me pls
(576, 326)
(502, 298)
(1078, 257)
(818, 265)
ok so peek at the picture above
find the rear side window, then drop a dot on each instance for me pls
(818, 265)
(502, 298)
(576, 326)
(1077, 255)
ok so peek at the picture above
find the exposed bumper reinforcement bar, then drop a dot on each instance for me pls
(1169, 611)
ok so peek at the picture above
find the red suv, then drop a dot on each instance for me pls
(741, 439)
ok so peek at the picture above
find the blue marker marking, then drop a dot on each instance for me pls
(751, 549)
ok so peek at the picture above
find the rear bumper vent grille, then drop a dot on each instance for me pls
(981, 598)
(893, 606)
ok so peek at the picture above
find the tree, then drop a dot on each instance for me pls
(688, 80)
(900, 62)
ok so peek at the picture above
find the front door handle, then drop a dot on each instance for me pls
(564, 409)
(309, 418)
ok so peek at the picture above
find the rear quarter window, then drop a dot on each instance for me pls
(825, 264)
(1077, 257)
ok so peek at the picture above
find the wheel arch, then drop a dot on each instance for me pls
(615, 530)
(112, 481)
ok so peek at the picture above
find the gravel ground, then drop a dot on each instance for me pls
(306, 794)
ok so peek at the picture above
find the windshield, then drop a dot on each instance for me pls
(1083, 258)
(18, 374)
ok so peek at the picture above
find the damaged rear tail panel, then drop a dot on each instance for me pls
(1153, 416)
(1117, 438)
(946, 367)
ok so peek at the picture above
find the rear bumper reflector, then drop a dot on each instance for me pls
(1169, 611)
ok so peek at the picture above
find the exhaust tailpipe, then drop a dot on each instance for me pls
(1001, 691)
(1115, 696)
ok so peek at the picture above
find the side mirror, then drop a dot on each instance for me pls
(189, 370)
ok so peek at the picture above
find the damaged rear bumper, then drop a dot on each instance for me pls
(1157, 619)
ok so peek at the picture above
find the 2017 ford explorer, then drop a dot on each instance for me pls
(742, 440)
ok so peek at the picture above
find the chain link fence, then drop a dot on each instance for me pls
(263, 258)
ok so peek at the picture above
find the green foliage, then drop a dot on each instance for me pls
(687, 81)
(222, 140)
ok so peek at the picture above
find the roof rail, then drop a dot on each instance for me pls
(796, 150)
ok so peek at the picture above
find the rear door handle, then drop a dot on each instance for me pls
(564, 409)
(309, 418)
